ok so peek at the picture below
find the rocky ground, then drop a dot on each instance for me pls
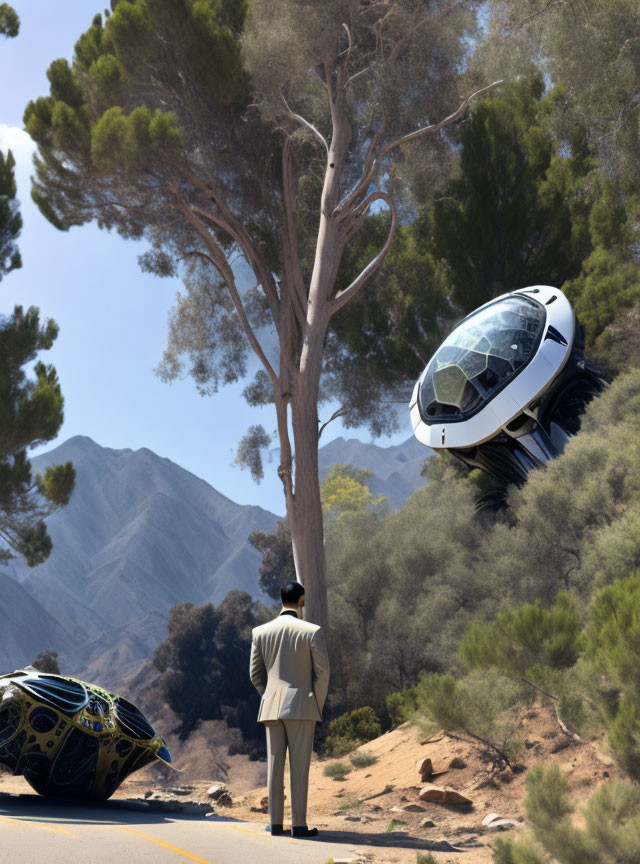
(379, 805)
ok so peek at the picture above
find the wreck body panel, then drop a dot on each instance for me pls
(69, 738)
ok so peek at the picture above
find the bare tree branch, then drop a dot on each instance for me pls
(218, 260)
(226, 220)
(344, 296)
(339, 413)
(374, 164)
(300, 119)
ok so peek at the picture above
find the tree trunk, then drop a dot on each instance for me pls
(306, 523)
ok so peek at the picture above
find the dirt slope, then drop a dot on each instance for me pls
(370, 801)
(388, 790)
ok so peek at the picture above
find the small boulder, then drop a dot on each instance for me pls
(427, 823)
(180, 790)
(413, 808)
(263, 806)
(442, 795)
(457, 762)
(490, 817)
(225, 800)
(504, 825)
(496, 823)
(425, 767)
(217, 790)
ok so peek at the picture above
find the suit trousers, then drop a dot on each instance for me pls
(297, 737)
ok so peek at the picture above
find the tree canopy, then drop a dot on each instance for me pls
(203, 663)
(269, 131)
(31, 413)
(10, 218)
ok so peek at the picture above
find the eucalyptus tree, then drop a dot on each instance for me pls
(265, 131)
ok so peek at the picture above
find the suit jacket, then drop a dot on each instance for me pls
(290, 669)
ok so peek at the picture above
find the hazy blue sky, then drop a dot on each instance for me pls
(112, 317)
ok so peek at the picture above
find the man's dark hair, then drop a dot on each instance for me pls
(291, 592)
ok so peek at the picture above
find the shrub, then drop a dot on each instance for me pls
(347, 732)
(350, 804)
(401, 706)
(612, 651)
(363, 759)
(336, 770)
(426, 859)
(611, 818)
(483, 705)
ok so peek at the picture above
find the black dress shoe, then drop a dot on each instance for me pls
(277, 830)
(303, 831)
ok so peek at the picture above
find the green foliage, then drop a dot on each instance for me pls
(336, 770)
(348, 731)
(393, 825)
(518, 208)
(31, 413)
(609, 280)
(401, 706)
(9, 21)
(482, 705)
(350, 804)
(425, 859)
(613, 647)
(47, 661)
(277, 566)
(611, 817)
(519, 640)
(249, 453)
(10, 218)
(387, 333)
(202, 663)
(344, 490)
(363, 759)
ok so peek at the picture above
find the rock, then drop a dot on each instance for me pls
(180, 790)
(425, 767)
(504, 825)
(457, 762)
(217, 790)
(490, 817)
(427, 823)
(442, 795)
(441, 845)
(497, 823)
(225, 800)
(165, 803)
(505, 776)
(263, 807)
(352, 819)
(196, 807)
(414, 808)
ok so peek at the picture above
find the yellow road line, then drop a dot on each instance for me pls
(43, 825)
(167, 845)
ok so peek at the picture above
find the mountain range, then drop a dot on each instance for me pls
(139, 535)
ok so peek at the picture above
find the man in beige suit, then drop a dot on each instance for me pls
(290, 670)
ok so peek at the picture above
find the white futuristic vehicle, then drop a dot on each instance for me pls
(506, 388)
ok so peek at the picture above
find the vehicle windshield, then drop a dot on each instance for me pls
(479, 357)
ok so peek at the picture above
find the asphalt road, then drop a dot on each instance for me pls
(34, 830)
